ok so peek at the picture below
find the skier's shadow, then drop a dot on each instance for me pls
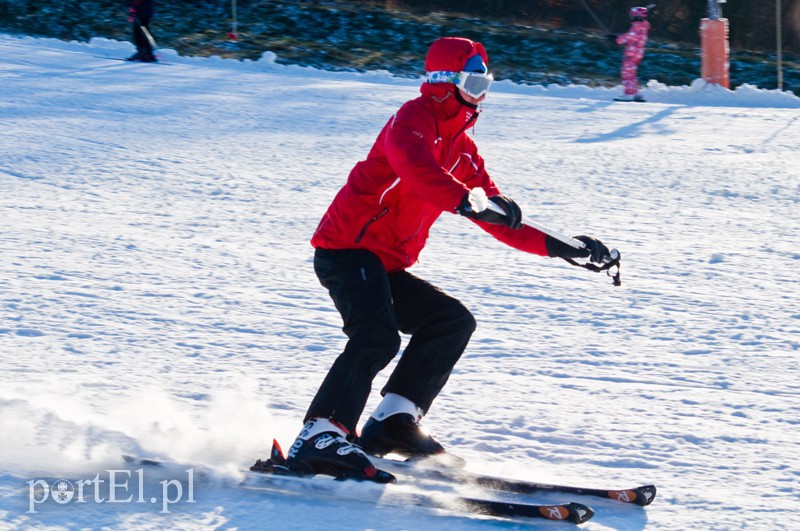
(595, 105)
(779, 132)
(630, 130)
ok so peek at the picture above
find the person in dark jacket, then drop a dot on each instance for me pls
(141, 11)
(422, 164)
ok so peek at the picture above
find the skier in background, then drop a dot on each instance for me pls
(422, 164)
(634, 41)
(141, 11)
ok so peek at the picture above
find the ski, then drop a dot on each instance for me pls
(642, 495)
(576, 513)
(146, 461)
(133, 62)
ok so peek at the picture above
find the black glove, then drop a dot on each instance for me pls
(612, 39)
(558, 249)
(598, 251)
(512, 217)
(594, 250)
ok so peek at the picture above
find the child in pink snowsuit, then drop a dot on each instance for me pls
(634, 41)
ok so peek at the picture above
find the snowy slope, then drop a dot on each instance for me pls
(157, 295)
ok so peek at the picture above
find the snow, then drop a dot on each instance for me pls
(157, 296)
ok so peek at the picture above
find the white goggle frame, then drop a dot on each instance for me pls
(470, 83)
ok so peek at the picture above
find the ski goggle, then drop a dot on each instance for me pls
(470, 83)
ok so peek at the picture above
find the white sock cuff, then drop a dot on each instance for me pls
(393, 404)
(319, 425)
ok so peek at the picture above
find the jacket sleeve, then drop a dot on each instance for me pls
(636, 35)
(409, 145)
(627, 37)
(525, 239)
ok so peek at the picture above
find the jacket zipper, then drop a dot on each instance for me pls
(370, 222)
(412, 236)
(386, 210)
(466, 126)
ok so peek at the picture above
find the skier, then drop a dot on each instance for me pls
(141, 11)
(422, 164)
(634, 41)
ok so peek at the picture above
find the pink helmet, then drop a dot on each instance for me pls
(638, 12)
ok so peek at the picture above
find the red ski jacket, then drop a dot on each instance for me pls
(422, 164)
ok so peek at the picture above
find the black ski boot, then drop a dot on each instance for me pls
(399, 434)
(330, 453)
(143, 57)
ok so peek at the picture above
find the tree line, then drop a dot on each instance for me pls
(752, 22)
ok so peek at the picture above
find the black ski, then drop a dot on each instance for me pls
(576, 513)
(643, 495)
(133, 62)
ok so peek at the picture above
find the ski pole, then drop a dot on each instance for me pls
(233, 35)
(572, 242)
(150, 40)
(479, 202)
(589, 10)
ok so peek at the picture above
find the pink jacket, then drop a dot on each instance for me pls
(635, 39)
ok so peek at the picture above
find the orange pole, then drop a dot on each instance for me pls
(715, 51)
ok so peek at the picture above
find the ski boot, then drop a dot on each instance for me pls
(322, 448)
(398, 434)
(143, 57)
(394, 428)
(634, 97)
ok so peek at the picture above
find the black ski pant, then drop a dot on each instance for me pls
(143, 46)
(375, 307)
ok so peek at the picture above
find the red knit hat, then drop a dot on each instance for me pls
(451, 54)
